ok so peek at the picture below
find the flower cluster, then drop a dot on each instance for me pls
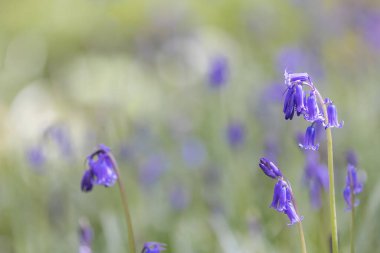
(101, 169)
(283, 200)
(353, 186)
(297, 102)
(153, 247)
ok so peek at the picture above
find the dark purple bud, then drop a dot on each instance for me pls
(292, 214)
(312, 110)
(332, 116)
(269, 168)
(218, 72)
(309, 140)
(299, 99)
(289, 104)
(153, 247)
(86, 184)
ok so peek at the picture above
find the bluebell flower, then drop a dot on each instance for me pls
(353, 186)
(269, 168)
(312, 112)
(309, 140)
(332, 115)
(36, 157)
(151, 169)
(283, 200)
(60, 135)
(295, 97)
(218, 72)
(289, 103)
(153, 247)
(235, 134)
(101, 169)
(85, 236)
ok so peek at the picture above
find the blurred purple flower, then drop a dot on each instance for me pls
(151, 170)
(101, 169)
(36, 157)
(61, 136)
(179, 197)
(353, 186)
(85, 237)
(218, 71)
(316, 178)
(153, 247)
(351, 157)
(193, 152)
(369, 24)
(235, 134)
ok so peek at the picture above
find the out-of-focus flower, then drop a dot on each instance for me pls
(36, 157)
(316, 178)
(235, 134)
(193, 152)
(309, 140)
(332, 115)
(353, 186)
(351, 157)
(151, 170)
(101, 169)
(179, 197)
(60, 135)
(85, 237)
(283, 200)
(218, 71)
(153, 247)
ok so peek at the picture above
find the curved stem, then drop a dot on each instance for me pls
(123, 196)
(302, 237)
(330, 164)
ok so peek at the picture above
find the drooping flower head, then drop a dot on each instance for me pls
(101, 169)
(283, 200)
(312, 113)
(309, 140)
(353, 186)
(153, 247)
(332, 115)
(351, 157)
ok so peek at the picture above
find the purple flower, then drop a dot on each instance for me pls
(101, 169)
(152, 169)
(194, 152)
(269, 168)
(299, 99)
(289, 104)
(351, 157)
(309, 140)
(61, 136)
(282, 201)
(36, 157)
(218, 72)
(235, 134)
(312, 112)
(353, 186)
(316, 178)
(85, 237)
(153, 247)
(332, 115)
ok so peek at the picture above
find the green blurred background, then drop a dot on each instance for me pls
(134, 75)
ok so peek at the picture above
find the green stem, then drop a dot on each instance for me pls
(330, 164)
(302, 237)
(123, 196)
